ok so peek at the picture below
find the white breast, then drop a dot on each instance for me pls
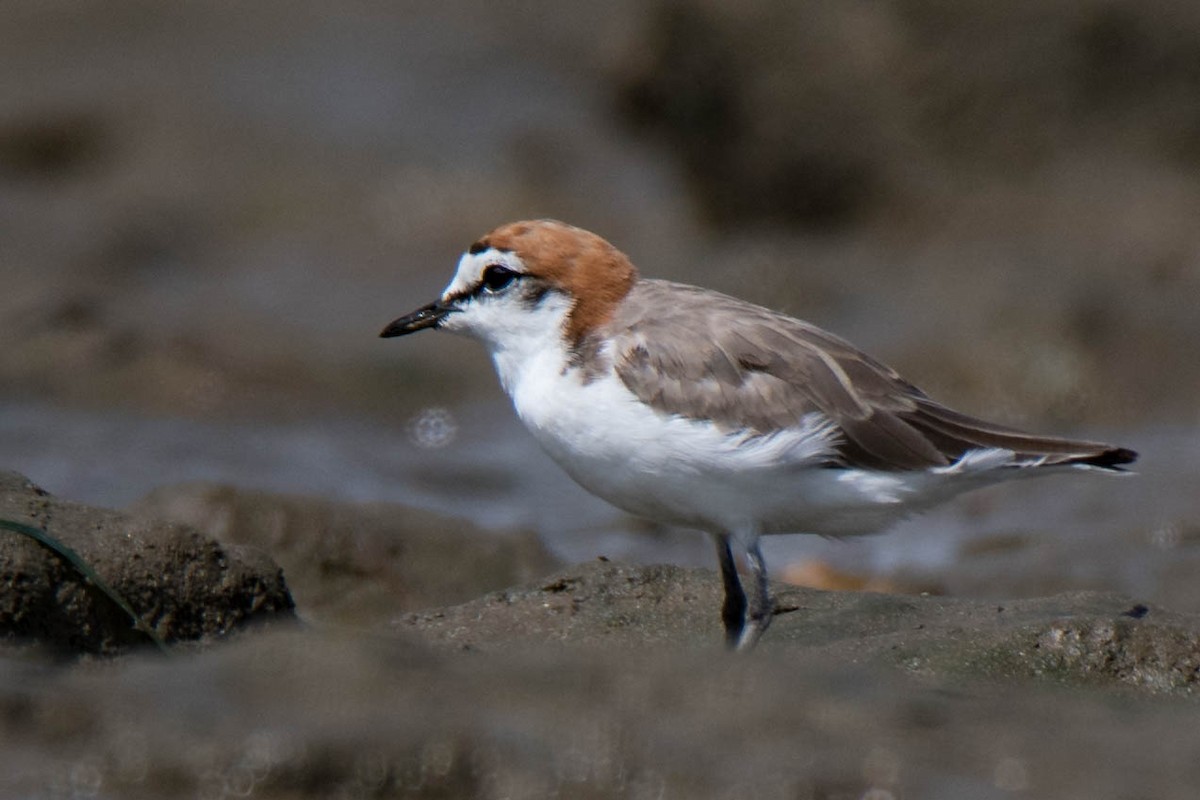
(664, 467)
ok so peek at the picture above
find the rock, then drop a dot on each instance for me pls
(358, 564)
(182, 583)
(1076, 638)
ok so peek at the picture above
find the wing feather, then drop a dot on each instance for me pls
(746, 368)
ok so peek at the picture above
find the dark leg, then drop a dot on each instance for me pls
(733, 611)
(762, 608)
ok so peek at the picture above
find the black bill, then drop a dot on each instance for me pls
(425, 317)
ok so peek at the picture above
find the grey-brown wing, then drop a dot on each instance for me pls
(708, 356)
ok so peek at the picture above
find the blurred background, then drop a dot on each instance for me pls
(208, 210)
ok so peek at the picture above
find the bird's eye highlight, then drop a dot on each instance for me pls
(497, 277)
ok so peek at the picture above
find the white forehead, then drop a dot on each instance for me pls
(472, 265)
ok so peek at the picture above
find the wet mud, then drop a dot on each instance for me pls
(601, 679)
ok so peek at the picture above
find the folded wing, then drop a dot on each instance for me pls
(746, 368)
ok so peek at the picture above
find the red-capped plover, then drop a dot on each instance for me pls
(697, 409)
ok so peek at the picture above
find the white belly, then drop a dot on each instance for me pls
(690, 473)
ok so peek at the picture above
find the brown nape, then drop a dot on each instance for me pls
(588, 268)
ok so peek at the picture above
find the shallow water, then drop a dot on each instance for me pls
(1119, 533)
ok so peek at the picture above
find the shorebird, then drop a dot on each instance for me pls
(697, 409)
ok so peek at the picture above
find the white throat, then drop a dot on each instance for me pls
(528, 343)
(522, 341)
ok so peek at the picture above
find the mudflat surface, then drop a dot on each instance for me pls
(319, 713)
(600, 679)
(1078, 638)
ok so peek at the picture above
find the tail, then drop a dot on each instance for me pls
(956, 434)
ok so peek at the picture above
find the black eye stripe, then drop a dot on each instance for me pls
(534, 294)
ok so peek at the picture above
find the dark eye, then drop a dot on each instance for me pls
(497, 277)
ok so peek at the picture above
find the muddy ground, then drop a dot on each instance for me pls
(597, 680)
